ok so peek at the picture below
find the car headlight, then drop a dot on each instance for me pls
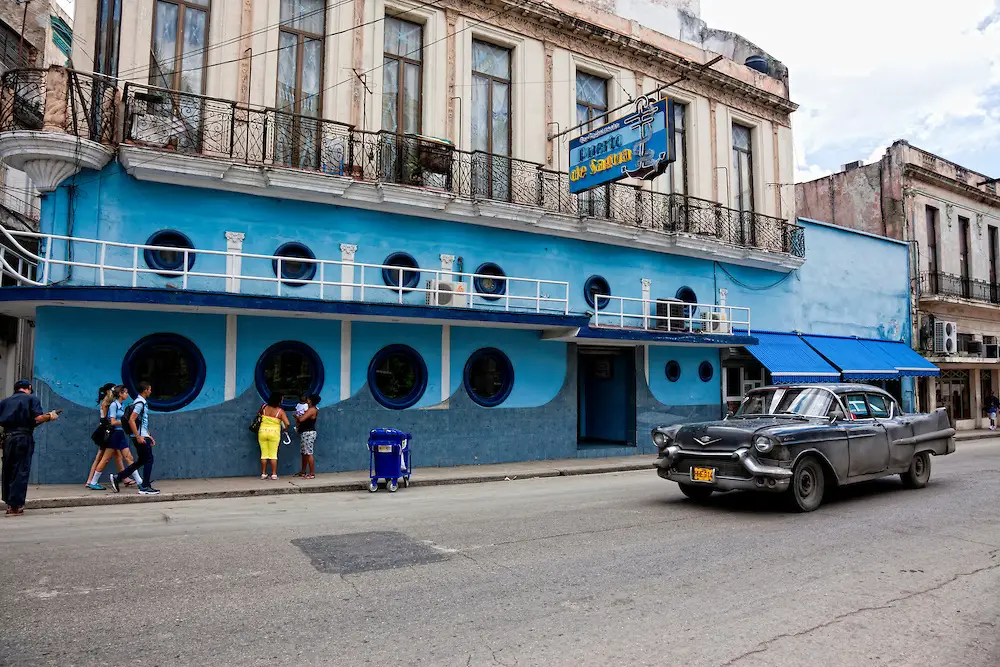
(660, 439)
(763, 445)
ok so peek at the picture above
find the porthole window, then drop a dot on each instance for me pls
(290, 368)
(168, 260)
(292, 268)
(172, 365)
(402, 260)
(687, 295)
(490, 281)
(593, 288)
(397, 376)
(673, 371)
(489, 377)
(706, 371)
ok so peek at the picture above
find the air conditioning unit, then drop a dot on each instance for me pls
(156, 129)
(444, 293)
(945, 337)
(672, 308)
(974, 347)
(716, 323)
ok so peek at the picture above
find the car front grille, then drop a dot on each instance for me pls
(723, 467)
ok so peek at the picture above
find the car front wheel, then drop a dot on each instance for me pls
(919, 473)
(696, 492)
(808, 485)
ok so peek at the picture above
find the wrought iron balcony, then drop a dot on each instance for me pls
(59, 99)
(951, 285)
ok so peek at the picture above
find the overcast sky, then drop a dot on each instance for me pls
(868, 72)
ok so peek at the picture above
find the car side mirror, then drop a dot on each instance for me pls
(729, 414)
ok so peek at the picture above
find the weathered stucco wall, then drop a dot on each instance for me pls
(850, 199)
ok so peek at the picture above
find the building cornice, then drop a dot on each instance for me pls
(957, 187)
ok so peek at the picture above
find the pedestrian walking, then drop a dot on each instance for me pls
(135, 419)
(992, 406)
(306, 425)
(19, 415)
(272, 421)
(111, 398)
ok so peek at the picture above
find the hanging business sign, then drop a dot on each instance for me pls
(639, 145)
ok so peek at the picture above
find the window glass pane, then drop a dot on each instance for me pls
(312, 74)
(194, 51)
(490, 59)
(582, 113)
(403, 38)
(856, 404)
(741, 137)
(593, 90)
(487, 376)
(306, 15)
(501, 119)
(734, 387)
(168, 368)
(164, 45)
(288, 372)
(287, 55)
(480, 113)
(411, 98)
(396, 376)
(878, 406)
(390, 95)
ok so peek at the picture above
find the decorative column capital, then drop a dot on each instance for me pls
(347, 251)
(448, 260)
(235, 238)
(646, 283)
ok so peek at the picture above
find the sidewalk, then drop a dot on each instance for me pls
(977, 434)
(72, 495)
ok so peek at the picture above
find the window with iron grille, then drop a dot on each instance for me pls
(491, 119)
(299, 97)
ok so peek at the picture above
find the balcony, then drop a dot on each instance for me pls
(948, 286)
(165, 135)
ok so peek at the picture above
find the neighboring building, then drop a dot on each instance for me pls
(951, 216)
(379, 214)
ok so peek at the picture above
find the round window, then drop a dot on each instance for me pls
(396, 276)
(705, 371)
(165, 258)
(489, 377)
(293, 268)
(490, 281)
(171, 364)
(397, 376)
(673, 371)
(290, 368)
(593, 289)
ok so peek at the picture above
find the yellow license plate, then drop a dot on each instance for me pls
(703, 474)
(385, 448)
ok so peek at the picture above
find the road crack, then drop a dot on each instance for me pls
(765, 645)
(352, 585)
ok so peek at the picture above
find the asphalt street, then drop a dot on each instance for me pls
(616, 569)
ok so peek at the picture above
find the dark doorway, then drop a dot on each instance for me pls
(606, 396)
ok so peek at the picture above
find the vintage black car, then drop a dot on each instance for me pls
(801, 440)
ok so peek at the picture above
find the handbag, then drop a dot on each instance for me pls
(102, 434)
(255, 424)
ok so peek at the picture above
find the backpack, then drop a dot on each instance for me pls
(127, 419)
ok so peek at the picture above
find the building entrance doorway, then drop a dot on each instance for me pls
(606, 396)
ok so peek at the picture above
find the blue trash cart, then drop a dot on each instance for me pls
(390, 458)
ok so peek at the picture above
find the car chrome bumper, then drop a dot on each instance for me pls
(773, 479)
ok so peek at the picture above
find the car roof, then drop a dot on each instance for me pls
(836, 387)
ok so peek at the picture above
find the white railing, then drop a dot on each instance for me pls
(115, 264)
(670, 316)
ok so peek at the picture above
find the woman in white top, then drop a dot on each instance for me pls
(118, 444)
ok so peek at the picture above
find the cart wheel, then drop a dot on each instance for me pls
(406, 482)
(392, 485)
(373, 485)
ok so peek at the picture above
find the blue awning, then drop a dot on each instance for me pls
(903, 358)
(855, 361)
(790, 360)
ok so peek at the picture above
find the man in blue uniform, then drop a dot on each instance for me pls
(19, 415)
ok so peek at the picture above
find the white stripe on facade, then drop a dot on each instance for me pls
(445, 362)
(229, 389)
(345, 359)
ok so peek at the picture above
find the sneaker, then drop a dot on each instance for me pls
(114, 483)
(148, 491)
(95, 487)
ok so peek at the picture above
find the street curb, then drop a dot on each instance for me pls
(334, 487)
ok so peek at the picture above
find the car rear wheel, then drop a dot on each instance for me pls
(696, 492)
(808, 485)
(919, 473)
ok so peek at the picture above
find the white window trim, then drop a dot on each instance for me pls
(463, 82)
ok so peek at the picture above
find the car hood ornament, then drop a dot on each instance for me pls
(705, 440)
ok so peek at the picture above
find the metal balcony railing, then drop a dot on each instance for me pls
(84, 105)
(670, 315)
(115, 264)
(949, 284)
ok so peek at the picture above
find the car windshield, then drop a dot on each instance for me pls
(808, 402)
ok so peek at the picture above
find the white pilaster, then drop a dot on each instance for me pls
(445, 362)
(645, 362)
(723, 294)
(229, 389)
(347, 251)
(345, 359)
(447, 266)
(646, 286)
(234, 263)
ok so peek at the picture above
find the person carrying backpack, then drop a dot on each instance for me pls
(136, 419)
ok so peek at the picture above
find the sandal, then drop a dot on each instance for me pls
(263, 476)
(309, 476)
(274, 477)
(129, 482)
(299, 474)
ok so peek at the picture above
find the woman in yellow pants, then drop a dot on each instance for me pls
(272, 420)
